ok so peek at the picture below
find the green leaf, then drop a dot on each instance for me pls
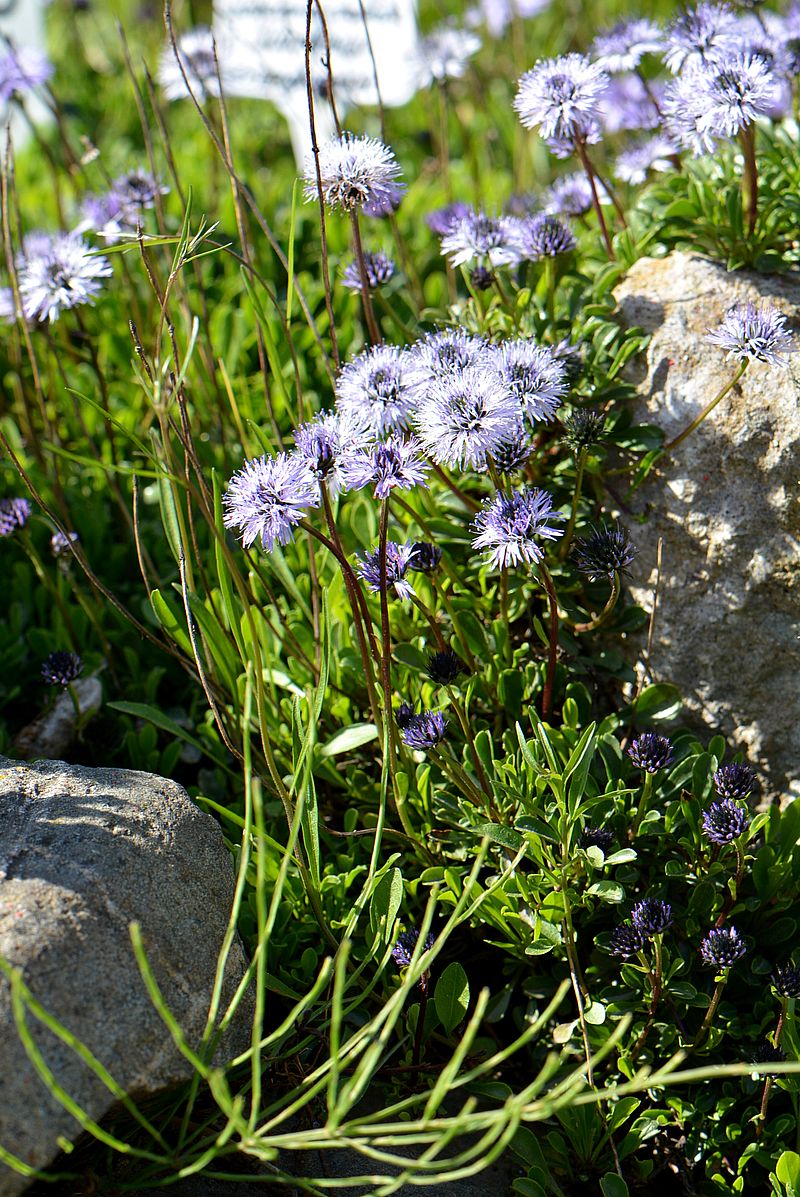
(608, 891)
(787, 1169)
(498, 833)
(613, 1185)
(140, 710)
(348, 740)
(385, 903)
(621, 1111)
(511, 690)
(659, 701)
(595, 1014)
(451, 996)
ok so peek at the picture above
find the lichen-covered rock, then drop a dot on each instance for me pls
(84, 853)
(726, 505)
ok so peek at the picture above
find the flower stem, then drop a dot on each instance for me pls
(580, 466)
(647, 790)
(373, 331)
(710, 1012)
(656, 978)
(733, 893)
(604, 616)
(673, 444)
(776, 1042)
(750, 178)
(466, 728)
(547, 693)
(590, 175)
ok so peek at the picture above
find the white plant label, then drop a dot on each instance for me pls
(22, 23)
(261, 46)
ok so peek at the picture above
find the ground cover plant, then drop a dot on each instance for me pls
(326, 479)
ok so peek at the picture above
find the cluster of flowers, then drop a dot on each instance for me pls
(720, 949)
(451, 399)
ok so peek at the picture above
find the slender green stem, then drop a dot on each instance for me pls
(466, 728)
(459, 777)
(712, 1009)
(550, 282)
(656, 979)
(604, 616)
(647, 790)
(590, 175)
(580, 466)
(689, 429)
(76, 702)
(776, 1042)
(733, 892)
(552, 654)
(422, 1011)
(436, 631)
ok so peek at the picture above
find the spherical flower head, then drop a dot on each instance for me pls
(510, 457)
(492, 240)
(60, 544)
(534, 375)
(510, 526)
(442, 220)
(623, 47)
(734, 781)
(14, 513)
(463, 418)
(722, 947)
(61, 668)
(481, 278)
(750, 333)
(398, 558)
(328, 443)
(571, 358)
(196, 52)
(404, 946)
(651, 752)
(561, 97)
(120, 209)
(625, 941)
(731, 93)
(607, 551)
(268, 497)
(404, 714)
(385, 202)
(375, 390)
(353, 171)
(651, 916)
(445, 54)
(377, 267)
(21, 70)
(585, 427)
(633, 165)
(725, 821)
(699, 35)
(543, 236)
(786, 981)
(627, 104)
(392, 464)
(425, 557)
(445, 668)
(65, 275)
(569, 195)
(441, 355)
(424, 731)
(597, 837)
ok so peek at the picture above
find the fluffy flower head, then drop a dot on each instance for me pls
(722, 947)
(754, 334)
(463, 418)
(391, 464)
(533, 375)
(14, 513)
(398, 562)
(377, 267)
(623, 47)
(510, 526)
(61, 668)
(374, 389)
(354, 171)
(21, 70)
(268, 496)
(725, 821)
(424, 731)
(63, 274)
(561, 97)
(491, 239)
(607, 551)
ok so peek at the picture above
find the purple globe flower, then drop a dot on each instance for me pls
(585, 427)
(354, 172)
(440, 356)
(378, 268)
(734, 781)
(268, 497)
(393, 463)
(425, 557)
(722, 947)
(490, 239)
(21, 70)
(534, 375)
(60, 544)
(14, 513)
(634, 164)
(398, 558)
(442, 220)
(58, 273)
(700, 35)
(717, 100)
(464, 417)
(374, 390)
(424, 731)
(607, 551)
(404, 946)
(61, 668)
(510, 457)
(754, 334)
(328, 442)
(405, 712)
(786, 981)
(623, 47)
(561, 97)
(445, 668)
(725, 821)
(651, 752)
(543, 236)
(509, 524)
(625, 941)
(651, 916)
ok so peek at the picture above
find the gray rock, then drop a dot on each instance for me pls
(83, 853)
(726, 506)
(51, 734)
